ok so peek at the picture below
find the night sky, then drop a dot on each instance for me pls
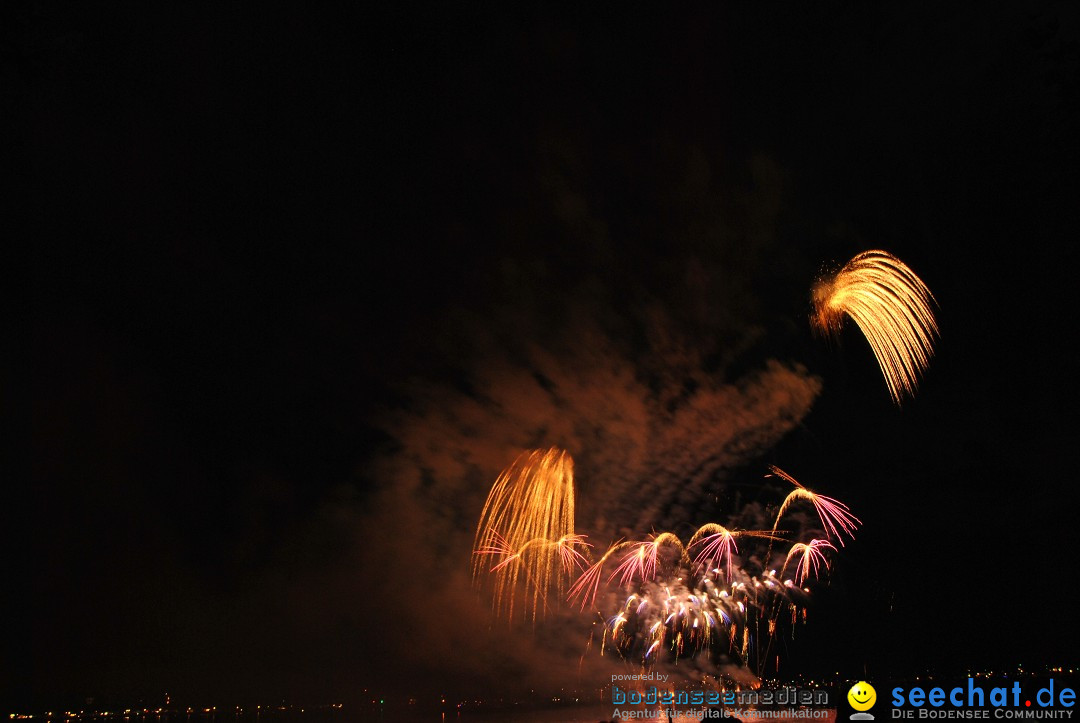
(282, 261)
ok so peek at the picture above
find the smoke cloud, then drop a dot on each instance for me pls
(653, 436)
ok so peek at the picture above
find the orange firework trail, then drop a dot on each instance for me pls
(528, 521)
(891, 306)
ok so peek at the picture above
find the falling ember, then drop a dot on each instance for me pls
(893, 309)
(527, 525)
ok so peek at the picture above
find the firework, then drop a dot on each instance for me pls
(642, 560)
(835, 516)
(893, 309)
(527, 524)
(719, 543)
(639, 561)
(685, 608)
(810, 557)
(673, 604)
(588, 583)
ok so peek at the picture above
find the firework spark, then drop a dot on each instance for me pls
(719, 543)
(588, 583)
(810, 558)
(835, 516)
(528, 522)
(642, 560)
(893, 309)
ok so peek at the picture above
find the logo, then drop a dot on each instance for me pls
(1053, 700)
(862, 697)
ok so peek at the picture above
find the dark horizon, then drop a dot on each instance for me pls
(264, 250)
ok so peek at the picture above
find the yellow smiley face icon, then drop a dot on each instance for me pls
(862, 696)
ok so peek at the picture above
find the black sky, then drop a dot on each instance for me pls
(245, 228)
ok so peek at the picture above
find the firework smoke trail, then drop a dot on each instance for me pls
(893, 309)
(528, 521)
(835, 516)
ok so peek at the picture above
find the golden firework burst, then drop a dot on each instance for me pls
(891, 306)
